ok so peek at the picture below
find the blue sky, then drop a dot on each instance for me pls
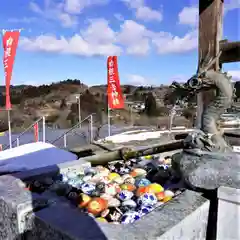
(156, 40)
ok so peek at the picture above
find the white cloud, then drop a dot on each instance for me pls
(99, 32)
(138, 80)
(180, 78)
(76, 6)
(235, 74)
(231, 5)
(55, 12)
(168, 43)
(148, 14)
(142, 11)
(189, 16)
(135, 37)
(99, 39)
(65, 11)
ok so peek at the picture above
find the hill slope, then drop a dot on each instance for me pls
(58, 102)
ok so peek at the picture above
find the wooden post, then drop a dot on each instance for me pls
(210, 34)
(230, 51)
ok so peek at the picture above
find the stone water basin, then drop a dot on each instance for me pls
(70, 201)
(119, 192)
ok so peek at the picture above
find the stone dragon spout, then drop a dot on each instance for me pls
(209, 138)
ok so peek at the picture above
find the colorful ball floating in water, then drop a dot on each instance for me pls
(116, 193)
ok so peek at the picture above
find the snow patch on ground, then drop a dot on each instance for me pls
(138, 135)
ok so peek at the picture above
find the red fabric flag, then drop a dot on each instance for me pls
(36, 131)
(10, 43)
(114, 91)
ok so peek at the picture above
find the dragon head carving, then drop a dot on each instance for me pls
(200, 80)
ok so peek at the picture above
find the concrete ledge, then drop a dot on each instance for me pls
(228, 214)
(185, 217)
(229, 194)
(175, 220)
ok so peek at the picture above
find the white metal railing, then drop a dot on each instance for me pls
(17, 140)
(89, 118)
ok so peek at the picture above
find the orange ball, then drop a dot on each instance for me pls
(155, 188)
(97, 205)
(138, 172)
(128, 186)
(84, 199)
(141, 190)
(149, 189)
(160, 196)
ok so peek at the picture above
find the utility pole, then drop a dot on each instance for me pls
(79, 110)
(131, 114)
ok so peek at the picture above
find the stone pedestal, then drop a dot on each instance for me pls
(228, 214)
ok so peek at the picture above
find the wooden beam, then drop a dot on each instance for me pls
(210, 34)
(230, 51)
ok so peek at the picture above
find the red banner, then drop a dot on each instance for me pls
(10, 43)
(114, 91)
(36, 131)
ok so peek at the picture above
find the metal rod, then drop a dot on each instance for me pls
(172, 115)
(65, 140)
(71, 129)
(79, 111)
(9, 129)
(22, 133)
(91, 128)
(109, 122)
(17, 142)
(131, 115)
(31, 126)
(43, 129)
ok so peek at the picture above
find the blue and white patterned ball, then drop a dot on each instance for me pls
(164, 166)
(75, 182)
(125, 195)
(71, 174)
(145, 210)
(142, 182)
(72, 181)
(130, 217)
(88, 188)
(123, 170)
(147, 199)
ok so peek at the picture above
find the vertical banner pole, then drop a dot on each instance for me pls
(36, 131)
(44, 129)
(91, 128)
(9, 129)
(10, 43)
(131, 115)
(109, 122)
